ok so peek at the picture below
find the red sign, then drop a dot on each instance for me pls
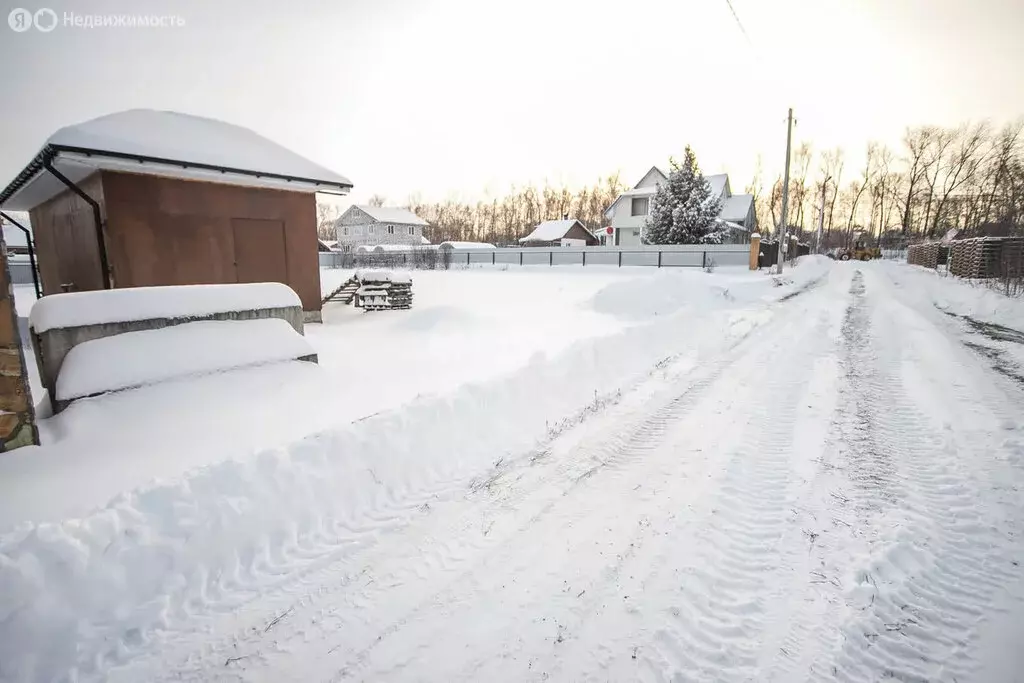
(609, 230)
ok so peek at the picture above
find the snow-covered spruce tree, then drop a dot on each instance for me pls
(683, 210)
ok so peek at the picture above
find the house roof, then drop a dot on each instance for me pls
(737, 207)
(718, 182)
(549, 231)
(719, 188)
(170, 144)
(388, 214)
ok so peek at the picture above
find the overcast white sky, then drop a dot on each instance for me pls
(464, 98)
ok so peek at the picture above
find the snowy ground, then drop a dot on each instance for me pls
(701, 478)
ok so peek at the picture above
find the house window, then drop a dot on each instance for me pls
(357, 230)
(412, 230)
(369, 230)
(344, 231)
(640, 206)
(636, 233)
(391, 230)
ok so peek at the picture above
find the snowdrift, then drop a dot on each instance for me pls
(135, 359)
(80, 594)
(672, 291)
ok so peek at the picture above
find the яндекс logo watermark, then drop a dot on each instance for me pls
(45, 20)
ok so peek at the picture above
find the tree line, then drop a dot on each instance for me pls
(969, 178)
(502, 221)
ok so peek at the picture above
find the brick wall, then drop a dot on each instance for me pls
(17, 414)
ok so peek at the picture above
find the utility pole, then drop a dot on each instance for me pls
(783, 231)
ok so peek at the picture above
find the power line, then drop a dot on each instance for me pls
(738, 22)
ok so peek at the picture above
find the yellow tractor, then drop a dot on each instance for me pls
(860, 251)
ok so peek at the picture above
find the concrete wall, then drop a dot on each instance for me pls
(52, 346)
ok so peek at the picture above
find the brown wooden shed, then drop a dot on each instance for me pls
(568, 231)
(143, 198)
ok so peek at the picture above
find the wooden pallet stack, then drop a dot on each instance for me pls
(383, 290)
(982, 257)
(925, 255)
(345, 293)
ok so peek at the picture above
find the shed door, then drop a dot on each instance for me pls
(259, 250)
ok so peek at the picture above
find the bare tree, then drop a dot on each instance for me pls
(962, 161)
(377, 200)
(326, 215)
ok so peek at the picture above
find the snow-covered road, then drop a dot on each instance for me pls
(832, 495)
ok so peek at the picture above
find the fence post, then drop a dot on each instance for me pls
(551, 258)
(704, 259)
(494, 257)
(659, 258)
(520, 257)
(620, 259)
(755, 250)
(584, 259)
(467, 259)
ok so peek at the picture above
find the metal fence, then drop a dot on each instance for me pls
(665, 256)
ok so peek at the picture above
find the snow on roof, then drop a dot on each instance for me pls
(549, 231)
(718, 183)
(424, 240)
(389, 214)
(383, 276)
(737, 207)
(466, 245)
(135, 359)
(160, 142)
(75, 309)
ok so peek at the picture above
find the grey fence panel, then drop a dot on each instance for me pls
(602, 258)
(639, 258)
(21, 273)
(728, 258)
(669, 256)
(692, 259)
(561, 258)
(533, 258)
(507, 256)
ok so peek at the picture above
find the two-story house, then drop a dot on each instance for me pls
(377, 225)
(629, 211)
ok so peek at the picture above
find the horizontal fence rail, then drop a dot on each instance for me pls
(666, 256)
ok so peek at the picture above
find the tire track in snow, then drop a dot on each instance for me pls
(725, 603)
(604, 458)
(646, 512)
(309, 587)
(932, 567)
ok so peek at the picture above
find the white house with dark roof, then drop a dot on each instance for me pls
(379, 225)
(628, 213)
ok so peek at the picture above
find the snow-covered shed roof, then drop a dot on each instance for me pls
(737, 207)
(549, 231)
(169, 144)
(388, 214)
